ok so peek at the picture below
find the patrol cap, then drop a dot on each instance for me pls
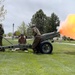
(22, 35)
(33, 25)
(0, 25)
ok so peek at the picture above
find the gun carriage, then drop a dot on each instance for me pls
(45, 46)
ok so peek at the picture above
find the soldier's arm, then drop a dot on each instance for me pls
(1, 31)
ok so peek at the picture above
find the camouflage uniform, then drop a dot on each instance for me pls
(1, 36)
(37, 39)
(22, 40)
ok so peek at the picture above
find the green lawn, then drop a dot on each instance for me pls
(60, 62)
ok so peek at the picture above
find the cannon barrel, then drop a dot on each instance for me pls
(50, 36)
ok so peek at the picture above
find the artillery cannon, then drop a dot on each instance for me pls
(45, 46)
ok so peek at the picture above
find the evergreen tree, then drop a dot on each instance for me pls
(39, 19)
(53, 22)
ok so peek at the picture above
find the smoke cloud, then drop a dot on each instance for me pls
(67, 28)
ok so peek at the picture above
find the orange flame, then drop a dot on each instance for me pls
(67, 28)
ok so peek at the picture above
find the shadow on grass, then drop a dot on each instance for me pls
(71, 53)
(68, 52)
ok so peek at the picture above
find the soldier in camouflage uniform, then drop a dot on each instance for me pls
(1, 36)
(37, 39)
(22, 40)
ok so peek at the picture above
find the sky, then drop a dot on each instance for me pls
(23, 10)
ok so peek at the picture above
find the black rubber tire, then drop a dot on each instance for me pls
(46, 47)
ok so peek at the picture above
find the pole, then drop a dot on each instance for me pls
(13, 32)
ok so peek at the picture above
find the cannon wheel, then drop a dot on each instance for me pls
(46, 47)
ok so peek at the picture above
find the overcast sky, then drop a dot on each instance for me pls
(23, 10)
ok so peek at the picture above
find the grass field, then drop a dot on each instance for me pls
(60, 62)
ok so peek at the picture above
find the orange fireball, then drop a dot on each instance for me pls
(67, 28)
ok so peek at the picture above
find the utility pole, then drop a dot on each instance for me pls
(13, 32)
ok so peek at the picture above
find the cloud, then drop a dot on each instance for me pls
(23, 10)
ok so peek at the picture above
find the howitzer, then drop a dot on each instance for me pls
(50, 36)
(45, 46)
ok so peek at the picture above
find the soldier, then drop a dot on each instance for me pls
(37, 39)
(1, 36)
(22, 40)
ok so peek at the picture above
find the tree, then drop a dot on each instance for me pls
(22, 28)
(39, 19)
(53, 22)
(47, 26)
(17, 33)
(4, 35)
(9, 34)
(2, 11)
